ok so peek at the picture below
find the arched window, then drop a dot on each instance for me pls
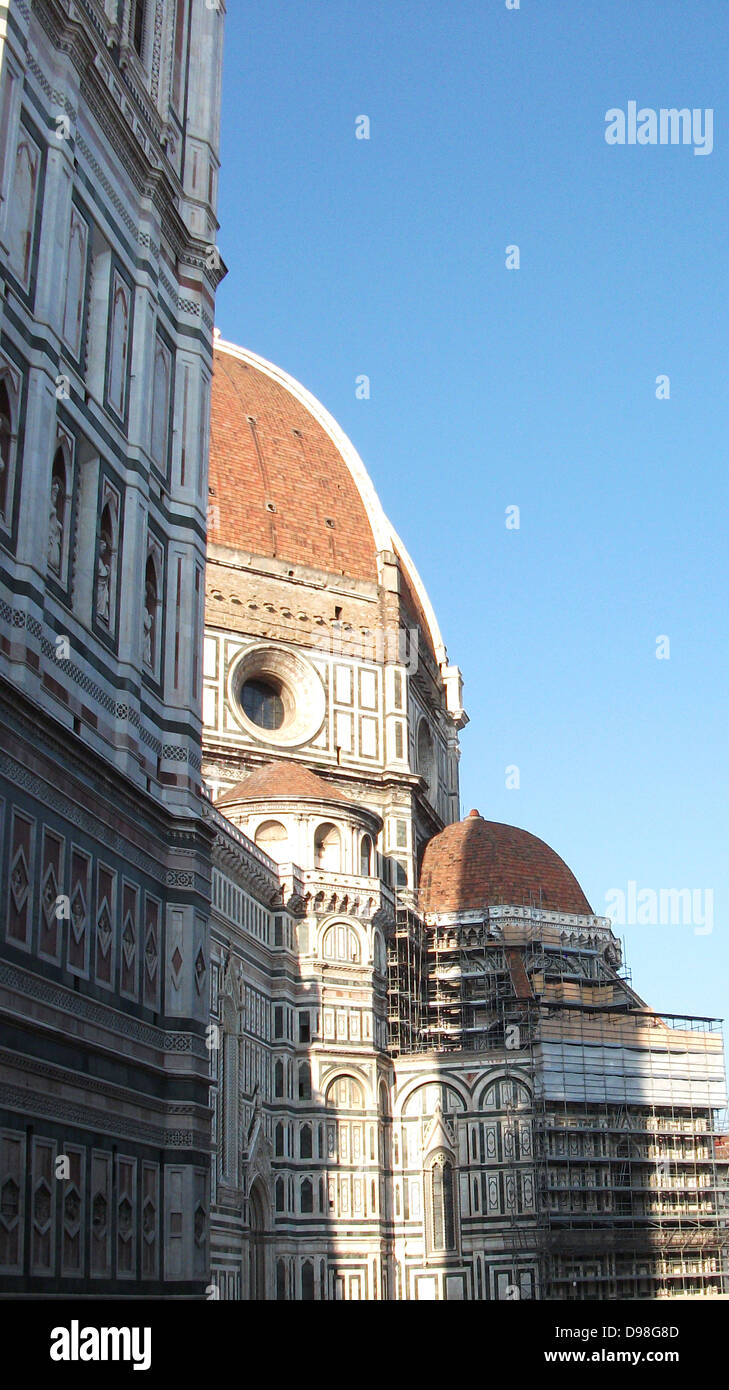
(57, 520)
(327, 848)
(426, 757)
(307, 1282)
(278, 1080)
(365, 856)
(442, 1195)
(305, 1144)
(6, 450)
(272, 837)
(279, 1141)
(137, 25)
(281, 1279)
(106, 566)
(307, 1196)
(305, 1081)
(151, 614)
(341, 942)
(280, 1195)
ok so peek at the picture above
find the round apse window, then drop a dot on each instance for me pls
(277, 697)
(262, 703)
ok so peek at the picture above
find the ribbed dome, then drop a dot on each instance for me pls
(279, 484)
(287, 484)
(478, 863)
(282, 781)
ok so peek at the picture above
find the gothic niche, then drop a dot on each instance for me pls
(57, 516)
(106, 563)
(150, 617)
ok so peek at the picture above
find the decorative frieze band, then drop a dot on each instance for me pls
(25, 1100)
(68, 1002)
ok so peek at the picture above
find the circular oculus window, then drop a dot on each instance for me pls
(277, 697)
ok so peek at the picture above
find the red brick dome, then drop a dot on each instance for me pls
(287, 484)
(279, 485)
(478, 863)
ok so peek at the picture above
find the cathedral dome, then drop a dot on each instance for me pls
(287, 484)
(283, 781)
(477, 863)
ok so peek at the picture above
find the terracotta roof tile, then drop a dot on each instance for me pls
(279, 487)
(282, 781)
(478, 863)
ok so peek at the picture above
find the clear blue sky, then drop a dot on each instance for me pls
(533, 387)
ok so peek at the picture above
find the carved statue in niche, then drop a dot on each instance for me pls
(148, 629)
(105, 564)
(103, 580)
(150, 614)
(55, 526)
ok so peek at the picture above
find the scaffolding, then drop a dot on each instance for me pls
(630, 1161)
(406, 979)
(627, 1174)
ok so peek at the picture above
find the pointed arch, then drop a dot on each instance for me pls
(59, 517)
(151, 624)
(441, 1196)
(107, 559)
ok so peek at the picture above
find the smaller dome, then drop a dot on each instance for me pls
(282, 781)
(478, 863)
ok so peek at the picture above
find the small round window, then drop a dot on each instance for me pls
(276, 696)
(262, 703)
